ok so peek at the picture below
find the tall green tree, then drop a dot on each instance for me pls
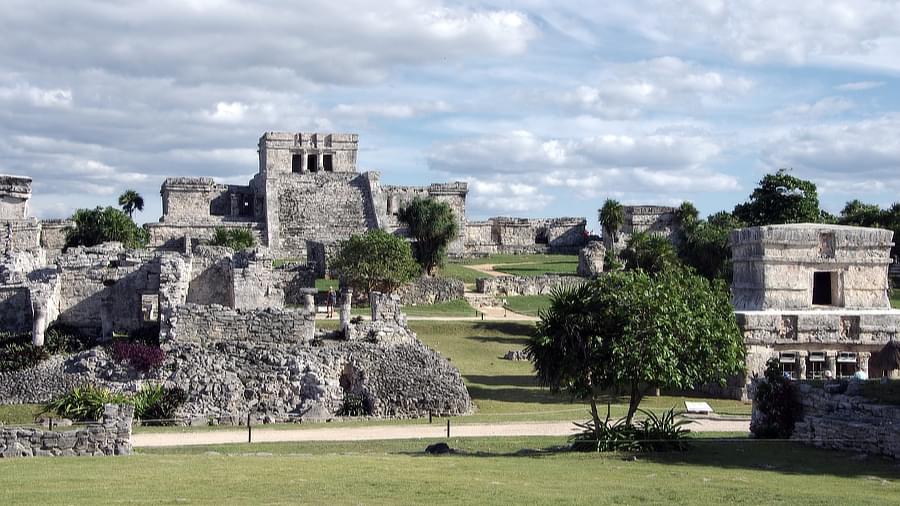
(651, 253)
(859, 214)
(612, 217)
(94, 226)
(130, 201)
(375, 260)
(704, 243)
(634, 332)
(780, 198)
(433, 226)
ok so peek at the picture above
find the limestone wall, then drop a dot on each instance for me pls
(211, 276)
(112, 436)
(523, 235)
(206, 325)
(847, 422)
(53, 236)
(431, 290)
(524, 285)
(774, 266)
(14, 194)
(649, 219)
(19, 235)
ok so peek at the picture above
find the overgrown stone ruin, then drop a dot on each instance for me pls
(813, 296)
(239, 335)
(648, 219)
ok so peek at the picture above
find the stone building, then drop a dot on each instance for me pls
(814, 296)
(307, 195)
(650, 219)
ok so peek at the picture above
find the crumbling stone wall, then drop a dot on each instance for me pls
(15, 191)
(655, 220)
(522, 235)
(19, 235)
(590, 259)
(844, 421)
(394, 198)
(112, 436)
(524, 285)
(431, 290)
(53, 237)
(211, 324)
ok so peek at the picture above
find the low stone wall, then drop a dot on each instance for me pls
(112, 436)
(844, 421)
(428, 290)
(524, 285)
(214, 323)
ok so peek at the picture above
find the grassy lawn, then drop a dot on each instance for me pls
(484, 471)
(19, 414)
(453, 308)
(462, 273)
(557, 264)
(528, 304)
(895, 298)
(505, 390)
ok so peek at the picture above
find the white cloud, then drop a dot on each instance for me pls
(864, 150)
(625, 90)
(860, 86)
(391, 110)
(228, 112)
(828, 106)
(38, 97)
(504, 196)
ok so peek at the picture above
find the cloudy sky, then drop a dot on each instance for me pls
(546, 108)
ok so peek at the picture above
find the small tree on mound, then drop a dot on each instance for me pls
(376, 260)
(432, 224)
(95, 226)
(234, 238)
(634, 332)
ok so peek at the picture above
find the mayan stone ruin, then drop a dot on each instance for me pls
(813, 296)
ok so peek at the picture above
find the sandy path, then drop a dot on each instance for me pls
(431, 431)
(489, 268)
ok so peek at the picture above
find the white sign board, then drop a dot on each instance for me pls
(697, 407)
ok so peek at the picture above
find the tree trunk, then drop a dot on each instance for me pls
(633, 402)
(596, 416)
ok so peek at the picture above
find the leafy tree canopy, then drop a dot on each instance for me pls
(376, 260)
(704, 245)
(131, 201)
(433, 226)
(234, 238)
(780, 198)
(871, 215)
(631, 331)
(99, 225)
(651, 253)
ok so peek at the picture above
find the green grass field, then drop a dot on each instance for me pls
(484, 471)
(895, 298)
(505, 390)
(528, 304)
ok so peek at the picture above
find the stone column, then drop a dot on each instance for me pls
(304, 166)
(863, 361)
(801, 365)
(39, 323)
(346, 303)
(309, 300)
(831, 363)
(320, 161)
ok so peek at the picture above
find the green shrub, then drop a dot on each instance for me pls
(776, 405)
(85, 402)
(353, 405)
(17, 352)
(654, 433)
(234, 238)
(155, 403)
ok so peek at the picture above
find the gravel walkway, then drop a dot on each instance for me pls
(437, 430)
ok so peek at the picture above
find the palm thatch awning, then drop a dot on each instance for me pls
(887, 358)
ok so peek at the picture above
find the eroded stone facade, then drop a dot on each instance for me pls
(649, 219)
(813, 296)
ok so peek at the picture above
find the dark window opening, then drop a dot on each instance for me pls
(246, 208)
(312, 163)
(297, 163)
(326, 163)
(541, 238)
(822, 289)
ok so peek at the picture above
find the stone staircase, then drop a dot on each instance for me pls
(331, 210)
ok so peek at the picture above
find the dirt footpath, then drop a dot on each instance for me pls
(430, 431)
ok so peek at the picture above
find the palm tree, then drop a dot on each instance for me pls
(612, 217)
(131, 200)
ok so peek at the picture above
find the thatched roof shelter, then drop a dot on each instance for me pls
(887, 358)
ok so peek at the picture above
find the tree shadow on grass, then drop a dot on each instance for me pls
(524, 380)
(513, 394)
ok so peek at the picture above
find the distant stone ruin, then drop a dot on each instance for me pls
(648, 219)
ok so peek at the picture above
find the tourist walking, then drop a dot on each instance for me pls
(332, 300)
